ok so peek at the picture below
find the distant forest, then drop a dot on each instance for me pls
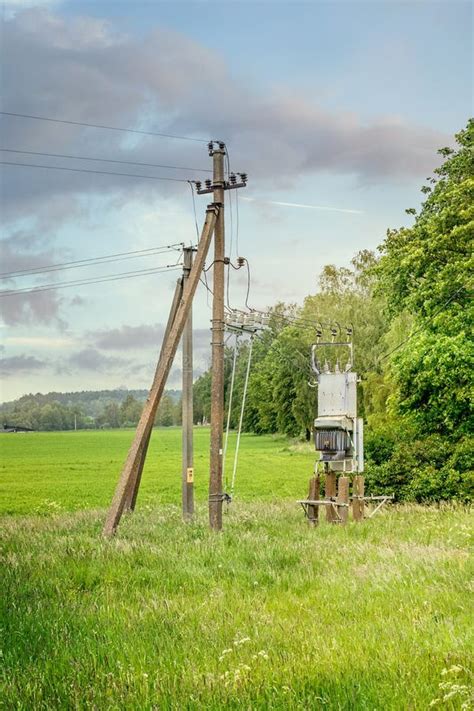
(89, 409)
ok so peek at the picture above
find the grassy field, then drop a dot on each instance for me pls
(76, 470)
(267, 615)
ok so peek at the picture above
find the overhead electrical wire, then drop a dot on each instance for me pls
(97, 172)
(92, 261)
(93, 280)
(103, 160)
(103, 126)
(194, 209)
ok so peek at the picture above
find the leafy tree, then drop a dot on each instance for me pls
(130, 411)
(424, 272)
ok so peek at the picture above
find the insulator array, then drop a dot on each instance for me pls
(250, 322)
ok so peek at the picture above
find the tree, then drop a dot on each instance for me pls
(424, 272)
(130, 411)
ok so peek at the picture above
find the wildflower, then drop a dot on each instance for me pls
(244, 640)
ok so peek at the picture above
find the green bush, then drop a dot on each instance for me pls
(427, 470)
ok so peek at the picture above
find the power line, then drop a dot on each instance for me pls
(120, 256)
(108, 128)
(95, 280)
(103, 160)
(97, 172)
(194, 209)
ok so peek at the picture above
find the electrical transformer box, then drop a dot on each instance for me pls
(338, 432)
(337, 394)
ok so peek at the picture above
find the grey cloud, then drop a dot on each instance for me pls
(142, 336)
(82, 69)
(128, 337)
(16, 365)
(94, 360)
(26, 250)
(38, 307)
(23, 250)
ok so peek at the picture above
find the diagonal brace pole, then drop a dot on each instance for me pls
(136, 477)
(161, 374)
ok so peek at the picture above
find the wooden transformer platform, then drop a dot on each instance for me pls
(339, 509)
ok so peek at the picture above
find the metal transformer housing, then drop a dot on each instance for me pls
(338, 431)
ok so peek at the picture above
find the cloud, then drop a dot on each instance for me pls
(128, 337)
(17, 365)
(143, 336)
(81, 68)
(37, 308)
(40, 342)
(93, 360)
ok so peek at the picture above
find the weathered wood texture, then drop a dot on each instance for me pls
(330, 493)
(187, 474)
(217, 345)
(343, 497)
(313, 494)
(358, 498)
(136, 477)
(161, 374)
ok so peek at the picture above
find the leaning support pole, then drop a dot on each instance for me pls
(135, 479)
(161, 374)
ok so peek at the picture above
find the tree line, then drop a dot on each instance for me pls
(46, 413)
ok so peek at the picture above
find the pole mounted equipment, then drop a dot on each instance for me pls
(232, 183)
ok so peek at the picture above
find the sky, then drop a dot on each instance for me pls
(334, 109)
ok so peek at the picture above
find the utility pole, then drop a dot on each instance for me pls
(187, 401)
(217, 345)
(218, 186)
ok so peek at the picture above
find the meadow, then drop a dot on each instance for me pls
(268, 614)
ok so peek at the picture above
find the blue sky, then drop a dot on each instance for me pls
(328, 104)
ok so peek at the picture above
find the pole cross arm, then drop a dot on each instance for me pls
(161, 374)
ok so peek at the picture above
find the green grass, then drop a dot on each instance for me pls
(267, 615)
(78, 470)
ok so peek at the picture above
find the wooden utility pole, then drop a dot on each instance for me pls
(217, 345)
(142, 434)
(132, 493)
(187, 401)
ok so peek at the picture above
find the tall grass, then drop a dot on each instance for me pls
(268, 614)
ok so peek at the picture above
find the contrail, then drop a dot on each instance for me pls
(298, 204)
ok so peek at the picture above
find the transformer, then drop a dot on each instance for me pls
(338, 432)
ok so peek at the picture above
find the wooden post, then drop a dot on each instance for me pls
(313, 495)
(187, 480)
(358, 498)
(330, 493)
(217, 346)
(132, 492)
(161, 374)
(343, 497)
